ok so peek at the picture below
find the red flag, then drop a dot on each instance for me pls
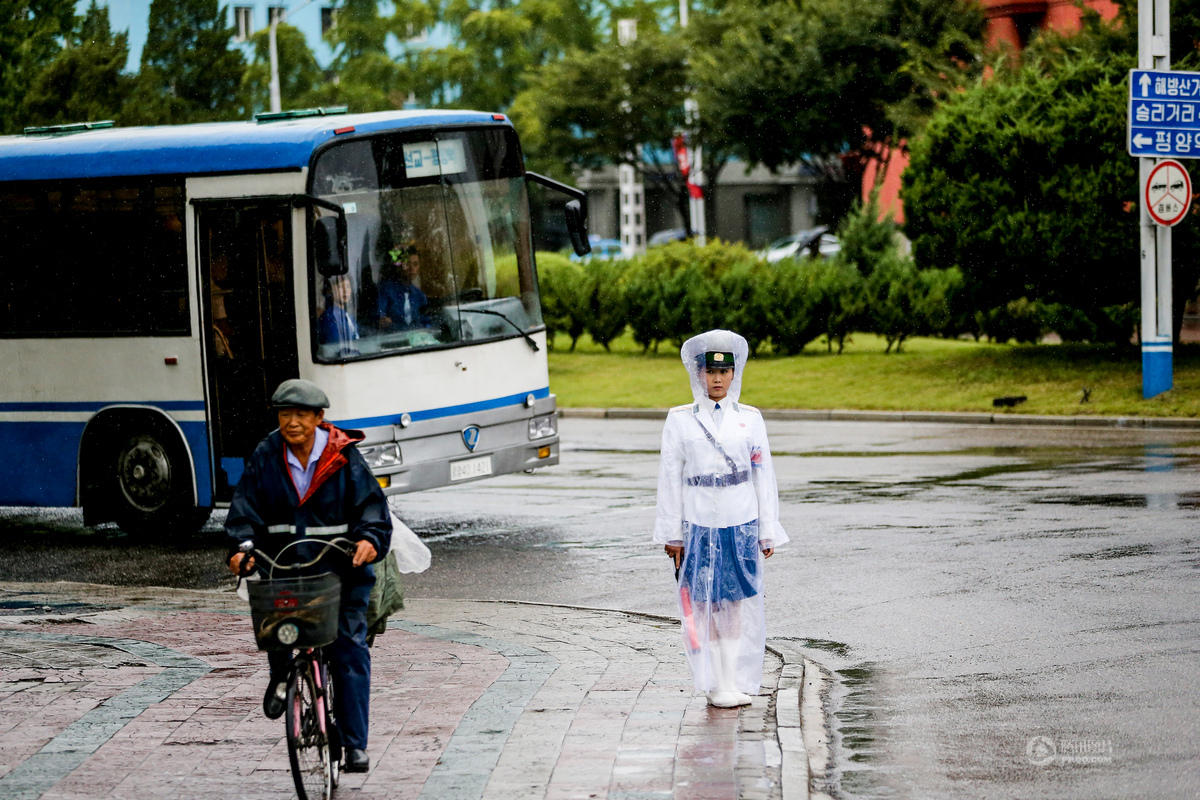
(681, 155)
(689, 621)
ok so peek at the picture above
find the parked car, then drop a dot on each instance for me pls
(814, 241)
(602, 250)
(665, 236)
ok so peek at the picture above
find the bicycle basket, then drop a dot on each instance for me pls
(295, 612)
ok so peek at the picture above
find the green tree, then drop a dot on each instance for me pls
(795, 315)
(189, 71)
(617, 104)
(745, 299)
(31, 35)
(85, 81)
(865, 235)
(300, 77)
(564, 290)
(605, 293)
(893, 299)
(939, 306)
(1023, 181)
(368, 78)
(495, 44)
(826, 82)
(838, 301)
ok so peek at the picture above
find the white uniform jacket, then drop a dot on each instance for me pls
(697, 486)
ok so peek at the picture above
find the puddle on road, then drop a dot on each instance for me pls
(21, 650)
(41, 608)
(857, 713)
(510, 534)
(1104, 500)
(1184, 500)
(1130, 551)
(863, 734)
(979, 479)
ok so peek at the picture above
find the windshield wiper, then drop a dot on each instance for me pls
(528, 339)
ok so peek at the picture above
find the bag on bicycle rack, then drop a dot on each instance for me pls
(290, 613)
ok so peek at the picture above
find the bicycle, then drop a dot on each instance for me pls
(300, 615)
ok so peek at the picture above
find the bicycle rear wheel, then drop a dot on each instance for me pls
(308, 745)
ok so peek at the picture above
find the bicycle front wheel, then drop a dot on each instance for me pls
(307, 740)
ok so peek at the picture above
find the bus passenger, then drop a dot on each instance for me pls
(304, 476)
(401, 301)
(336, 325)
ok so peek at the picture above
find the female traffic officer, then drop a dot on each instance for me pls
(718, 517)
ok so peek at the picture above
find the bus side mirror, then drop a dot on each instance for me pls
(575, 211)
(327, 249)
(577, 227)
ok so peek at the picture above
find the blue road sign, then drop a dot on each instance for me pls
(1164, 113)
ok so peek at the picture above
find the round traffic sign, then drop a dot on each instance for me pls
(1168, 192)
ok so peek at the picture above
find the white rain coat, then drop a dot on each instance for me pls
(720, 500)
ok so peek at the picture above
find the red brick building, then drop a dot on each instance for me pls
(1013, 22)
(1010, 23)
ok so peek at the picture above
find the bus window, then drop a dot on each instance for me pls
(438, 240)
(95, 258)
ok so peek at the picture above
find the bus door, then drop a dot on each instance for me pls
(245, 253)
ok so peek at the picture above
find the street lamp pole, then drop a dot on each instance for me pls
(273, 51)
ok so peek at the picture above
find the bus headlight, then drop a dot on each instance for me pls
(541, 427)
(379, 456)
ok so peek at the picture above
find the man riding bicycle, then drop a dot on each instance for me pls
(307, 481)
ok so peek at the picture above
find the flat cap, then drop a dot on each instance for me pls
(299, 393)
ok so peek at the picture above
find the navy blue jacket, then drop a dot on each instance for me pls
(344, 499)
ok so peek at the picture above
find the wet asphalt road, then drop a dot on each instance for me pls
(1009, 612)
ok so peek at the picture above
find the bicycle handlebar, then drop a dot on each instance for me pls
(340, 543)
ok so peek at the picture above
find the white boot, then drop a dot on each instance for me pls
(729, 650)
(723, 696)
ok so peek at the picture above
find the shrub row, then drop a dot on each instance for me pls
(674, 291)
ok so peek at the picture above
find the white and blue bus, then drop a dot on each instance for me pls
(157, 283)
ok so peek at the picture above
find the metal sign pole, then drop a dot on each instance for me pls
(1156, 327)
(691, 110)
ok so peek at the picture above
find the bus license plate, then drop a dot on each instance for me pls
(471, 468)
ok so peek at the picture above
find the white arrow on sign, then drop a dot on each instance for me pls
(1145, 82)
(1141, 140)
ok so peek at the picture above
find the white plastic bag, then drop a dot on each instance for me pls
(411, 553)
(243, 591)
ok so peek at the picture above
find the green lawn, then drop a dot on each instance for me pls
(929, 375)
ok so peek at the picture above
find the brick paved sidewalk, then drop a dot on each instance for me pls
(157, 695)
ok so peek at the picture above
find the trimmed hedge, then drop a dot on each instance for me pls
(677, 290)
(561, 282)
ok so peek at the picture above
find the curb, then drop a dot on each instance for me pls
(804, 733)
(794, 775)
(947, 417)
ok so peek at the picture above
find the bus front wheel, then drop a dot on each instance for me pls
(151, 493)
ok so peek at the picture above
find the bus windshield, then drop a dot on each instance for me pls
(438, 243)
